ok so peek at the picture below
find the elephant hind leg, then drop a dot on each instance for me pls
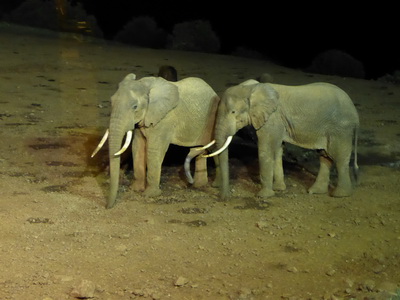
(340, 151)
(321, 184)
(200, 175)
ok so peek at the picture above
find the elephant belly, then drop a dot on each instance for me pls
(308, 141)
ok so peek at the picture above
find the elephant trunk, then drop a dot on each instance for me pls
(117, 131)
(224, 131)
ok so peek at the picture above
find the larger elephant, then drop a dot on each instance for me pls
(313, 116)
(160, 113)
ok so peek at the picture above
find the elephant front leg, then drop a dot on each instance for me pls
(279, 179)
(267, 150)
(139, 162)
(155, 157)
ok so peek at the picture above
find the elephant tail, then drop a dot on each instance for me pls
(355, 164)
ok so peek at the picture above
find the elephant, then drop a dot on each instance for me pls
(159, 113)
(168, 72)
(317, 116)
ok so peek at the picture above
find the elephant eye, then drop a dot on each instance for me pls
(233, 112)
(134, 107)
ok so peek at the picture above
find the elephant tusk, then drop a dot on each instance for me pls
(193, 153)
(206, 146)
(227, 142)
(103, 140)
(126, 145)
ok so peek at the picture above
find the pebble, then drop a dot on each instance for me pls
(181, 281)
(330, 272)
(84, 290)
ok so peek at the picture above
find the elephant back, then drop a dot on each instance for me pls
(197, 101)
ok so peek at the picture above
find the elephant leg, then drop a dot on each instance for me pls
(139, 161)
(200, 175)
(321, 184)
(341, 153)
(217, 180)
(155, 156)
(279, 180)
(267, 150)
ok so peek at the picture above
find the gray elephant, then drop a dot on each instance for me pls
(313, 116)
(160, 113)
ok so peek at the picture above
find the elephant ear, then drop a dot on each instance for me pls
(263, 102)
(163, 97)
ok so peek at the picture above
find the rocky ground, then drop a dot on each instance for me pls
(59, 242)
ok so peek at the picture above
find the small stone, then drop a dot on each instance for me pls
(387, 286)
(262, 224)
(181, 281)
(367, 285)
(84, 290)
(292, 270)
(330, 272)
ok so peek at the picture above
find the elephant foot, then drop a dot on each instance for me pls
(318, 189)
(342, 192)
(265, 193)
(138, 186)
(216, 183)
(279, 186)
(224, 195)
(152, 192)
(199, 183)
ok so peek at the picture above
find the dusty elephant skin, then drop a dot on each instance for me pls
(163, 113)
(315, 116)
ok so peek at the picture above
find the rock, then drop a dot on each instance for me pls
(181, 281)
(330, 272)
(387, 287)
(84, 290)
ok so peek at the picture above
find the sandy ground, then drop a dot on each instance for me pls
(57, 241)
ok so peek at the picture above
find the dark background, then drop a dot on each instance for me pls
(286, 33)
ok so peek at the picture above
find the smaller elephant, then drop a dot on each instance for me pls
(317, 116)
(160, 113)
(168, 73)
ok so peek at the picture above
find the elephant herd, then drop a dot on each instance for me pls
(154, 112)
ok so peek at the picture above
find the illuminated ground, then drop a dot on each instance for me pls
(186, 244)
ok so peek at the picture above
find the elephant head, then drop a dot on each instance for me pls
(136, 103)
(248, 103)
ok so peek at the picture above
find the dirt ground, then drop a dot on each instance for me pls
(57, 240)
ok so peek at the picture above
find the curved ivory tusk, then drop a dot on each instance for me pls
(227, 142)
(206, 146)
(193, 153)
(103, 140)
(126, 145)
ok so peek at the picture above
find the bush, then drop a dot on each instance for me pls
(194, 36)
(336, 62)
(46, 14)
(142, 31)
